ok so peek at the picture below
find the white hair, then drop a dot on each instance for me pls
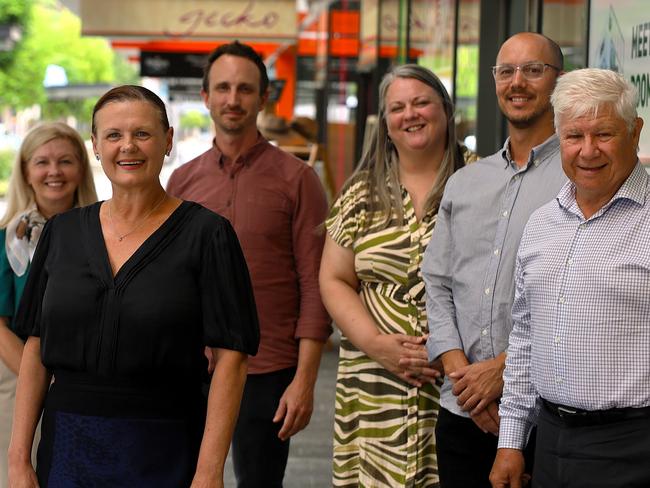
(585, 92)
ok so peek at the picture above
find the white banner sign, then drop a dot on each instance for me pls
(619, 39)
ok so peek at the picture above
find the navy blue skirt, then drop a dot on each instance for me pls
(102, 434)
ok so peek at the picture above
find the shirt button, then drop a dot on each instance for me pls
(484, 332)
(496, 252)
(558, 380)
(228, 203)
(562, 300)
(557, 340)
(413, 409)
(505, 213)
(569, 261)
(232, 177)
(515, 177)
(486, 291)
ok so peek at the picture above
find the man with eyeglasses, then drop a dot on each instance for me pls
(468, 267)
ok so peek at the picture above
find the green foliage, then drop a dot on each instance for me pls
(53, 36)
(124, 72)
(467, 71)
(7, 157)
(13, 12)
(194, 119)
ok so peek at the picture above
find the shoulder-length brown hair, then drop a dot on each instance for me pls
(378, 163)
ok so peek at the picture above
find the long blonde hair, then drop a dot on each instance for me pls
(379, 160)
(20, 195)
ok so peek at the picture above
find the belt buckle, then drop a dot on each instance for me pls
(570, 417)
(566, 412)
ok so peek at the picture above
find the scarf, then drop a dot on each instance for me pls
(23, 233)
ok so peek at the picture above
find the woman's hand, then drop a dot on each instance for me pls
(338, 286)
(22, 475)
(415, 362)
(33, 382)
(389, 351)
(206, 481)
(226, 388)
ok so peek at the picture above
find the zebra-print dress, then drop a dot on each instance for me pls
(384, 428)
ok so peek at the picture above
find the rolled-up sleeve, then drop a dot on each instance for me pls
(436, 272)
(308, 236)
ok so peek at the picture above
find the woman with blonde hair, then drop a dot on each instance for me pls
(51, 174)
(371, 284)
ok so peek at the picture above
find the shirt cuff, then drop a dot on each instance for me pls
(437, 346)
(513, 433)
(317, 330)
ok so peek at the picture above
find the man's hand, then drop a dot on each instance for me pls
(487, 419)
(508, 469)
(295, 407)
(478, 384)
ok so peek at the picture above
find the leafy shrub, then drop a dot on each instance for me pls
(194, 119)
(7, 157)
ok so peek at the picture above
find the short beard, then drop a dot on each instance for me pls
(526, 121)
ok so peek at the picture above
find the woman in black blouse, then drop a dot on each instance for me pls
(122, 298)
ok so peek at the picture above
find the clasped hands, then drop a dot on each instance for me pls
(477, 388)
(405, 356)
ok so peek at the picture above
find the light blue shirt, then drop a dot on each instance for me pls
(468, 267)
(581, 313)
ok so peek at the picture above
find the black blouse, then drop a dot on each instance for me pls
(186, 287)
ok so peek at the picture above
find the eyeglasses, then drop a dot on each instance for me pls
(531, 71)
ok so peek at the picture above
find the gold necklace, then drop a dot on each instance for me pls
(119, 237)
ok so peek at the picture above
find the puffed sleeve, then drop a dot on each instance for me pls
(28, 317)
(348, 213)
(228, 305)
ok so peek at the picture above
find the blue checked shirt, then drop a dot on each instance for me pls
(581, 315)
(469, 264)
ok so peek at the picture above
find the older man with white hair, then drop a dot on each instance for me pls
(578, 362)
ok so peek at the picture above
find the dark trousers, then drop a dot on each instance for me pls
(466, 453)
(613, 455)
(259, 456)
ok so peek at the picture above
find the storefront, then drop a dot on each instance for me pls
(332, 54)
(459, 40)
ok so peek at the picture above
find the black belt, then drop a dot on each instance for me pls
(575, 417)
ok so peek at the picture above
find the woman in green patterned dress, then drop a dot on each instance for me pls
(371, 284)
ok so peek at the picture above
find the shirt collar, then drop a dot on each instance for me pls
(538, 155)
(246, 158)
(634, 188)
